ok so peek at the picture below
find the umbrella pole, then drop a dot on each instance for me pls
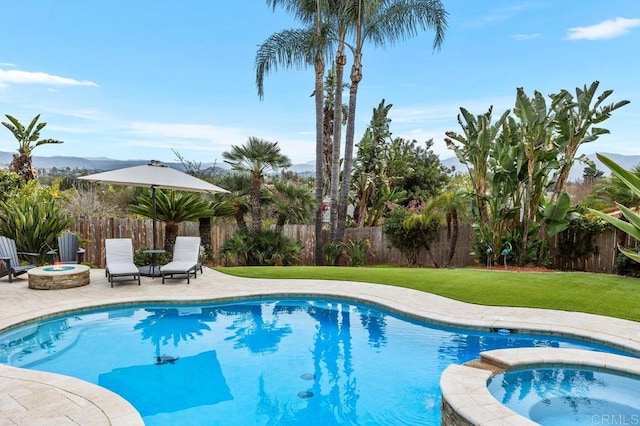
(153, 210)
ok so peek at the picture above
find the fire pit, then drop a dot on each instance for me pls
(56, 277)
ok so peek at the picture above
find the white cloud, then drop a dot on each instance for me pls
(204, 132)
(607, 29)
(525, 37)
(27, 77)
(7, 64)
(497, 15)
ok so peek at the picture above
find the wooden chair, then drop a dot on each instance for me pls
(69, 251)
(10, 262)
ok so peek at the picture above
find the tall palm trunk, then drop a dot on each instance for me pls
(453, 237)
(256, 206)
(204, 228)
(280, 221)
(319, 99)
(341, 60)
(327, 147)
(356, 77)
(241, 210)
(170, 233)
(22, 164)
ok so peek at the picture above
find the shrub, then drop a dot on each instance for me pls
(140, 258)
(262, 248)
(34, 221)
(357, 251)
(332, 252)
(626, 266)
(406, 240)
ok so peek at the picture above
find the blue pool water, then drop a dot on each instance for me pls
(261, 362)
(568, 396)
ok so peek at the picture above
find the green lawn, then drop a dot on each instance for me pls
(602, 294)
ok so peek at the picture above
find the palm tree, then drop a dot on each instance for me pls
(381, 22)
(609, 191)
(235, 203)
(449, 204)
(172, 208)
(255, 158)
(28, 139)
(291, 202)
(298, 48)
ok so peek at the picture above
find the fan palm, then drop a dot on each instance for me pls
(256, 157)
(28, 139)
(609, 191)
(291, 202)
(235, 203)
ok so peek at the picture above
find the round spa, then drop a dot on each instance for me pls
(546, 386)
(569, 395)
(56, 277)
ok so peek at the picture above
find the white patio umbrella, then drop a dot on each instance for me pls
(154, 175)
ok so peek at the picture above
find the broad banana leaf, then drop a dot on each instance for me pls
(557, 212)
(631, 180)
(630, 254)
(625, 227)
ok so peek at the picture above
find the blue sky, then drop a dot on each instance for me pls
(135, 79)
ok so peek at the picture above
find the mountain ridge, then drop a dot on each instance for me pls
(106, 164)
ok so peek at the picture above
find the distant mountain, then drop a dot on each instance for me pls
(94, 164)
(307, 169)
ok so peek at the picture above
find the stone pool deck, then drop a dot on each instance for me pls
(34, 398)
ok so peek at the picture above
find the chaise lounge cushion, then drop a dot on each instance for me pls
(119, 254)
(185, 259)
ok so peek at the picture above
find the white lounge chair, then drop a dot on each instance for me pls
(185, 259)
(119, 254)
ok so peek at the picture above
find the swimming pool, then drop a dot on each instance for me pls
(565, 396)
(278, 361)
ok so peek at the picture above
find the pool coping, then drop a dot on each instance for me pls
(23, 305)
(467, 399)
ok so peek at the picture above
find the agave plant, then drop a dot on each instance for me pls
(33, 221)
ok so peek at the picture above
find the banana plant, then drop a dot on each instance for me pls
(28, 139)
(574, 124)
(474, 148)
(558, 215)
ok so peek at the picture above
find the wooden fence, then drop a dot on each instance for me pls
(603, 261)
(94, 230)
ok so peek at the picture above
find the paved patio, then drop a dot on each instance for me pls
(30, 398)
